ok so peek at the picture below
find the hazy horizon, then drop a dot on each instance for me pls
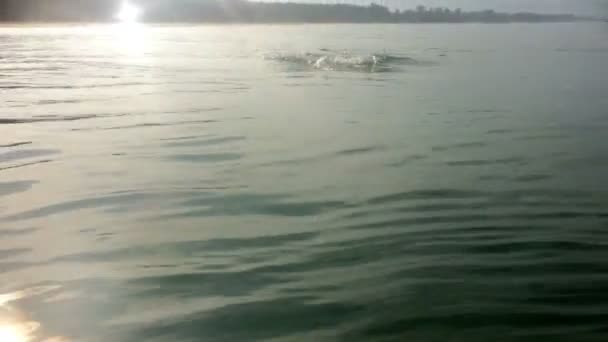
(226, 11)
(576, 7)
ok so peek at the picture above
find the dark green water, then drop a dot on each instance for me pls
(304, 183)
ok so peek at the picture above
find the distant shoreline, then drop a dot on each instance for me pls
(5, 24)
(246, 12)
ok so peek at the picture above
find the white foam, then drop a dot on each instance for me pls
(342, 61)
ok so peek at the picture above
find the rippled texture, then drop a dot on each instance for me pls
(304, 183)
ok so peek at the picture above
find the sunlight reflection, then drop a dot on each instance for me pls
(14, 327)
(128, 13)
(9, 297)
(10, 334)
(130, 37)
(128, 30)
(17, 331)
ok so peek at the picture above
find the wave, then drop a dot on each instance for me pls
(344, 61)
(48, 118)
(20, 143)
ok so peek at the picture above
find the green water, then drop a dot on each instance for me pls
(304, 183)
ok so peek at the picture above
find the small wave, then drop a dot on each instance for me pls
(49, 118)
(482, 162)
(25, 154)
(146, 124)
(25, 164)
(17, 231)
(359, 150)
(15, 187)
(20, 143)
(205, 142)
(344, 61)
(467, 145)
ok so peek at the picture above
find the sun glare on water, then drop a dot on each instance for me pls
(128, 13)
(16, 327)
(19, 331)
(10, 333)
(13, 329)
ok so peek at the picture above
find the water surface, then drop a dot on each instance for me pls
(304, 183)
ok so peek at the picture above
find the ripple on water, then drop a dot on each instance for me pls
(200, 248)
(482, 162)
(254, 204)
(474, 144)
(360, 150)
(16, 144)
(13, 252)
(8, 121)
(123, 200)
(17, 231)
(44, 161)
(204, 142)
(407, 160)
(206, 157)
(9, 188)
(25, 154)
(147, 124)
(233, 322)
(533, 177)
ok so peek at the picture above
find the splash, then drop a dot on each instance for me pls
(344, 61)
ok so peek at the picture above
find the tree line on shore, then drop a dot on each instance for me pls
(251, 12)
